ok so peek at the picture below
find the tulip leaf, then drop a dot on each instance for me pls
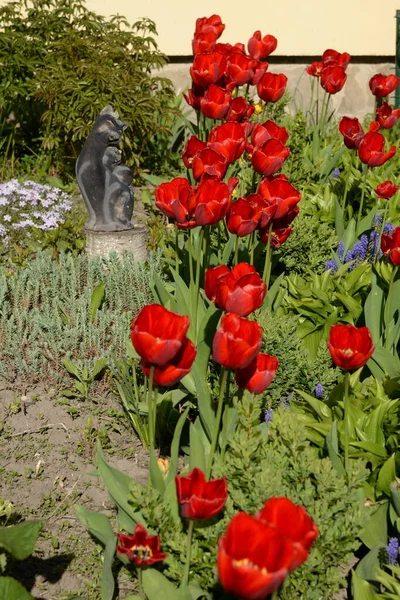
(96, 300)
(362, 590)
(157, 480)
(368, 565)
(395, 495)
(272, 292)
(387, 475)
(373, 309)
(19, 540)
(98, 524)
(389, 364)
(332, 443)
(11, 589)
(320, 408)
(197, 449)
(157, 586)
(375, 530)
(165, 298)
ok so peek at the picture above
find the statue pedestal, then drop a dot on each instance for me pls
(102, 243)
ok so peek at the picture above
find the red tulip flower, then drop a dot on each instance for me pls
(259, 69)
(237, 342)
(241, 290)
(381, 85)
(157, 334)
(213, 201)
(210, 280)
(228, 139)
(239, 110)
(194, 96)
(269, 158)
(209, 163)
(386, 190)
(173, 371)
(331, 58)
(203, 42)
(215, 103)
(278, 236)
(372, 150)
(390, 246)
(142, 549)
(198, 498)
(175, 200)
(253, 558)
(293, 522)
(268, 131)
(211, 24)
(282, 194)
(333, 79)
(315, 69)
(351, 131)
(240, 68)
(350, 347)
(386, 116)
(244, 215)
(208, 68)
(271, 86)
(261, 47)
(258, 375)
(192, 147)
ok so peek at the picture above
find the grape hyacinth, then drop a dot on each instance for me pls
(268, 415)
(336, 173)
(393, 551)
(319, 391)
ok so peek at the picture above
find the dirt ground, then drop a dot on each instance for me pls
(47, 446)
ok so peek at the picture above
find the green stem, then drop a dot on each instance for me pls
(140, 581)
(185, 580)
(388, 306)
(197, 282)
(252, 244)
(346, 189)
(323, 114)
(346, 421)
(310, 115)
(381, 230)
(222, 388)
(177, 250)
(274, 595)
(150, 407)
(268, 255)
(364, 186)
(190, 252)
(235, 260)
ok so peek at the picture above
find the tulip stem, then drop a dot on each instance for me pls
(185, 579)
(177, 250)
(235, 260)
(268, 256)
(274, 595)
(364, 186)
(346, 421)
(150, 408)
(223, 380)
(197, 282)
(140, 582)
(388, 306)
(381, 230)
(190, 253)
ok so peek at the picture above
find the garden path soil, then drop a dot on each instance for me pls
(47, 447)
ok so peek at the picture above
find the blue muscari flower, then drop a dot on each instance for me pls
(336, 173)
(319, 391)
(340, 251)
(285, 402)
(374, 242)
(393, 551)
(331, 265)
(377, 220)
(388, 228)
(268, 415)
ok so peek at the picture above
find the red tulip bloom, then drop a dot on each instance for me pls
(239, 110)
(215, 103)
(173, 371)
(236, 342)
(372, 150)
(386, 116)
(381, 85)
(268, 131)
(198, 498)
(351, 131)
(331, 58)
(333, 79)
(253, 558)
(240, 68)
(269, 158)
(258, 375)
(271, 86)
(282, 194)
(210, 280)
(211, 24)
(194, 96)
(142, 549)
(261, 48)
(213, 201)
(157, 334)
(259, 69)
(350, 346)
(208, 68)
(204, 42)
(315, 69)
(175, 200)
(241, 290)
(192, 147)
(209, 163)
(278, 236)
(386, 190)
(228, 139)
(390, 246)
(244, 215)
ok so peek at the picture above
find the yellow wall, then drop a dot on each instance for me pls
(364, 27)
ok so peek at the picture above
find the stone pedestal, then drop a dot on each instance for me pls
(102, 243)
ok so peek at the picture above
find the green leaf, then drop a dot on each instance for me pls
(107, 577)
(373, 309)
(362, 590)
(72, 369)
(197, 450)
(375, 530)
(332, 444)
(395, 495)
(368, 565)
(99, 366)
(97, 523)
(10, 589)
(19, 540)
(157, 586)
(175, 446)
(387, 475)
(96, 300)
(157, 480)
(322, 410)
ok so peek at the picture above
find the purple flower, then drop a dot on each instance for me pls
(374, 242)
(331, 265)
(388, 228)
(377, 220)
(393, 551)
(268, 415)
(336, 173)
(319, 391)
(340, 251)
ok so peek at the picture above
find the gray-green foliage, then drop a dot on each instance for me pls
(45, 312)
(296, 369)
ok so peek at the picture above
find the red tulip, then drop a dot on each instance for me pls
(381, 85)
(198, 498)
(372, 150)
(253, 558)
(331, 58)
(278, 236)
(211, 24)
(240, 68)
(210, 280)
(261, 48)
(259, 69)
(157, 334)
(192, 147)
(390, 246)
(213, 201)
(239, 110)
(140, 548)
(271, 86)
(241, 290)
(350, 347)
(386, 190)
(351, 131)
(194, 96)
(173, 371)
(209, 163)
(236, 342)
(267, 131)
(315, 69)
(175, 200)
(228, 139)
(293, 522)
(215, 103)
(386, 116)
(258, 375)
(269, 158)
(333, 79)
(204, 42)
(208, 68)
(281, 193)
(244, 215)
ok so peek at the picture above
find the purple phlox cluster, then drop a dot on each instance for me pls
(336, 173)
(268, 415)
(319, 391)
(393, 551)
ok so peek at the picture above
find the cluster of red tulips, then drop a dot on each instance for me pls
(331, 70)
